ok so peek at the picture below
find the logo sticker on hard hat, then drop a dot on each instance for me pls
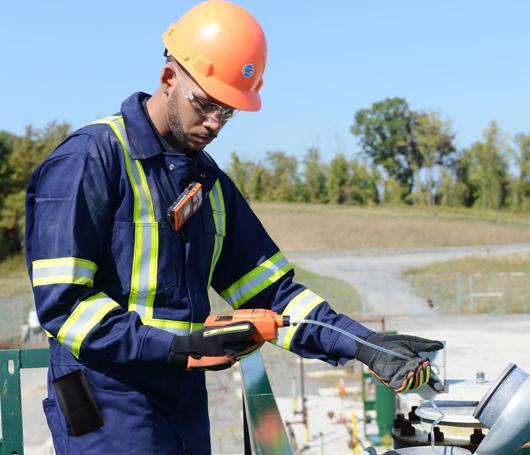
(248, 70)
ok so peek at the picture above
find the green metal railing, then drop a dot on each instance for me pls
(265, 432)
(11, 362)
(264, 428)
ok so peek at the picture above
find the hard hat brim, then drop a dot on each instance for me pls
(226, 94)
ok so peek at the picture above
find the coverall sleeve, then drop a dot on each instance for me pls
(70, 203)
(253, 273)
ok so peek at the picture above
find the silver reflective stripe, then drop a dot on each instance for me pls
(258, 279)
(66, 270)
(219, 215)
(84, 318)
(298, 308)
(143, 212)
(74, 271)
(219, 219)
(142, 294)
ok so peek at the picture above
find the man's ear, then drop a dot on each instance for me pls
(167, 79)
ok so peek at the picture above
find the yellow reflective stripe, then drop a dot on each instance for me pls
(146, 242)
(67, 261)
(265, 274)
(219, 218)
(83, 319)
(64, 279)
(176, 327)
(298, 308)
(48, 334)
(145, 186)
(67, 270)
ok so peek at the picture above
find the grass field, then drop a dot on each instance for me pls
(343, 297)
(476, 284)
(16, 298)
(14, 278)
(303, 227)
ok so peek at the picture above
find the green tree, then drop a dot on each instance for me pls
(314, 177)
(386, 136)
(339, 178)
(434, 141)
(6, 148)
(259, 182)
(484, 170)
(32, 148)
(447, 191)
(23, 154)
(284, 179)
(240, 171)
(363, 184)
(394, 192)
(520, 198)
(12, 222)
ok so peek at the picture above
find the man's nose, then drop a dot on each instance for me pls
(214, 121)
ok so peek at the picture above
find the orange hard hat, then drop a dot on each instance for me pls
(223, 47)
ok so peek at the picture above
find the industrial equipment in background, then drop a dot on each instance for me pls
(470, 417)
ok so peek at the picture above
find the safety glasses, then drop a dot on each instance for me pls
(203, 106)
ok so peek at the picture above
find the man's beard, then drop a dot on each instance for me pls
(175, 124)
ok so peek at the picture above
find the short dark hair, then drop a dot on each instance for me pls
(169, 58)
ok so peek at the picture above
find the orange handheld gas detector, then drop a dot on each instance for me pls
(186, 205)
(267, 323)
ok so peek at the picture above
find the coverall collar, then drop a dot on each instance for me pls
(142, 138)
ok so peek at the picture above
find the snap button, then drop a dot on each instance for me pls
(171, 167)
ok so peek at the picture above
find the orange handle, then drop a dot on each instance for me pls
(266, 322)
(209, 362)
(212, 362)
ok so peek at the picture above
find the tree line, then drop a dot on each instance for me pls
(19, 156)
(405, 157)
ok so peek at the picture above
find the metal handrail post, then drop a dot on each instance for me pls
(11, 362)
(266, 430)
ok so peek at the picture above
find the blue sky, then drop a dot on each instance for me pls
(469, 60)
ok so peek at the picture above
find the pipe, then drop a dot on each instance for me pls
(505, 410)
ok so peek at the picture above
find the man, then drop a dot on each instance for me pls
(123, 294)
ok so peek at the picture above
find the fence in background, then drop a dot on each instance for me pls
(474, 292)
(14, 312)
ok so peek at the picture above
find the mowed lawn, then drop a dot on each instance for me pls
(312, 227)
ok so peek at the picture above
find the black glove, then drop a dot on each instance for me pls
(394, 372)
(229, 340)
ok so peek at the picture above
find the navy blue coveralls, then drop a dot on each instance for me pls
(113, 283)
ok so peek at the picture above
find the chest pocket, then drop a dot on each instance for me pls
(214, 214)
(170, 254)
